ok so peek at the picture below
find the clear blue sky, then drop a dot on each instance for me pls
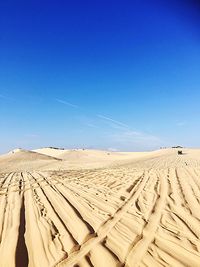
(99, 74)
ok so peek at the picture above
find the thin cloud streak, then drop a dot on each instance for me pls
(5, 97)
(66, 103)
(129, 136)
(113, 121)
(181, 123)
(91, 125)
(32, 135)
(139, 139)
(126, 135)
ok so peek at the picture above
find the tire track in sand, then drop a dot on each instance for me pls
(138, 251)
(106, 228)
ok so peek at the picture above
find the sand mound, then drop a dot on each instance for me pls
(16, 151)
(87, 159)
(77, 154)
(53, 152)
(19, 160)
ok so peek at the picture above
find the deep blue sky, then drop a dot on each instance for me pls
(99, 74)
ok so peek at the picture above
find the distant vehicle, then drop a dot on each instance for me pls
(180, 152)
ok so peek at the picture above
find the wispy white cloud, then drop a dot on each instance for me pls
(134, 138)
(32, 135)
(5, 97)
(112, 149)
(128, 138)
(66, 103)
(91, 125)
(181, 123)
(113, 121)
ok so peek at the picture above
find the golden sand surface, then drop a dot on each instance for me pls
(97, 208)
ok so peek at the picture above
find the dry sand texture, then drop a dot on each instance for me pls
(141, 210)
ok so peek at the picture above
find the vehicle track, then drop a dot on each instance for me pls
(141, 215)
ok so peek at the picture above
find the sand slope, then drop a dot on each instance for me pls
(20, 160)
(143, 211)
(89, 159)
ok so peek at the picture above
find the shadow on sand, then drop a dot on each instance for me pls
(21, 257)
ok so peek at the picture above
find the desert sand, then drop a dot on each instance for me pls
(68, 208)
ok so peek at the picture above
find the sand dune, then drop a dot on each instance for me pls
(20, 160)
(136, 209)
(88, 155)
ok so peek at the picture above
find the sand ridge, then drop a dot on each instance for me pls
(139, 211)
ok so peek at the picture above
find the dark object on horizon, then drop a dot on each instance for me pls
(177, 147)
(60, 148)
(180, 152)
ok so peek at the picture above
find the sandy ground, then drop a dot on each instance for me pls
(97, 208)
